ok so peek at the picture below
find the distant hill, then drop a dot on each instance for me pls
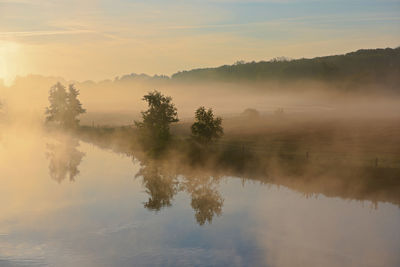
(376, 70)
(366, 66)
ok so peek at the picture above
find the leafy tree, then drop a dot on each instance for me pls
(64, 107)
(74, 106)
(58, 109)
(155, 127)
(206, 128)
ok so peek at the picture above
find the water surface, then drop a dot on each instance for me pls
(69, 203)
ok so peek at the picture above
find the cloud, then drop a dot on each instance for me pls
(42, 33)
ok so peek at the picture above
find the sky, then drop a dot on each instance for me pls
(101, 39)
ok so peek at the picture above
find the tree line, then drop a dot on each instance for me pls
(154, 127)
(365, 66)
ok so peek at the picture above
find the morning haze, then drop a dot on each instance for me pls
(199, 133)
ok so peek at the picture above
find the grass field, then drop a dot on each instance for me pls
(351, 158)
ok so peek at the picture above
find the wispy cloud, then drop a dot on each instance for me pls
(42, 33)
(303, 19)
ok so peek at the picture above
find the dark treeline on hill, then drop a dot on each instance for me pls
(372, 65)
(380, 66)
(376, 66)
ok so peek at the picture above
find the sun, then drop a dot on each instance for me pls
(8, 61)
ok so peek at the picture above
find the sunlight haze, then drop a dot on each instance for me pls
(100, 39)
(261, 133)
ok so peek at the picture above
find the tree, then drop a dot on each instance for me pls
(57, 111)
(64, 107)
(74, 107)
(251, 113)
(156, 122)
(206, 128)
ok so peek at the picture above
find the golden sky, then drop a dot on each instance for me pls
(99, 39)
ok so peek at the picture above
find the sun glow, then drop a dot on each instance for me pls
(8, 61)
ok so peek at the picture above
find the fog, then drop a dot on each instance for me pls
(120, 102)
(307, 157)
(199, 133)
(308, 115)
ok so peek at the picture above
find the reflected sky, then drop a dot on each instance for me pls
(122, 212)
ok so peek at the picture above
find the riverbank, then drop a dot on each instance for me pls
(313, 160)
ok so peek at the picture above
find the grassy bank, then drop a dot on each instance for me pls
(319, 158)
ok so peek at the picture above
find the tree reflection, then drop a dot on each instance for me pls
(64, 159)
(162, 184)
(206, 200)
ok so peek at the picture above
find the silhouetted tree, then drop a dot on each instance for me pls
(206, 128)
(74, 107)
(240, 62)
(64, 107)
(57, 111)
(251, 113)
(155, 127)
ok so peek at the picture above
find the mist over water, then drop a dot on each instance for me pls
(118, 210)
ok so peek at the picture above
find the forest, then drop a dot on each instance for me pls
(365, 66)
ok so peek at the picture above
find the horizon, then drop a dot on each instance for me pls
(10, 83)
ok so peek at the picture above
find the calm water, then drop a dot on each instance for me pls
(69, 203)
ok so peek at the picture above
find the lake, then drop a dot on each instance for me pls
(66, 202)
